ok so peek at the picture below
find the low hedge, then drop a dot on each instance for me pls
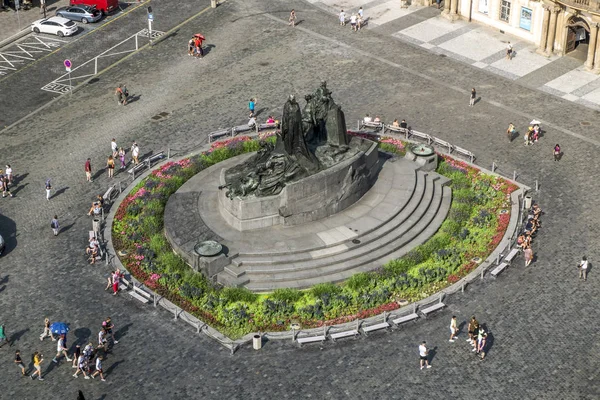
(473, 228)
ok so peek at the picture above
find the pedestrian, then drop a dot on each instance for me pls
(99, 369)
(509, 51)
(61, 349)
(109, 326)
(135, 152)
(191, 46)
(116, 279)
(342, 18)
(9, 173)
(472, 330)
(19, 362)
(43, 7)
(114, 148)
(125, 93)
(88, 170)
(198, 46)
(353, 21)
(81, 366)
(557, 152)
(76, 355)
(2, 336)
(55, 225)
(361, 13)
(110, 166)
(292, 19)
(48, 189)
(122, 158)
(439, 3)
(453, 329)
(102, 343)
(38, 358)
(251, 106)
(4, 184)
(528, 254)
(403, 124)
(119, 95)
(47, 332)
(583, 267)
(482, 344)
(423, 352)
(109, 281)
(510, 131)
(473, 97)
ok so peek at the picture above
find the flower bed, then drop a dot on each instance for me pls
(473, 228)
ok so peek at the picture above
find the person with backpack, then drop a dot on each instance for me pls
(55, 225)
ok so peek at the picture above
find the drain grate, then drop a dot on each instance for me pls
(156, 117)
(585, 123)
(160, 116)
(356, 241)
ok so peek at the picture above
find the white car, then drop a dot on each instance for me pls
(55, 25)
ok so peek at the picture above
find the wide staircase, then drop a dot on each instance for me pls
(404, 217)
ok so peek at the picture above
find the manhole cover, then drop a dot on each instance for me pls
(208, 248)
(585, 123)
(356, 241)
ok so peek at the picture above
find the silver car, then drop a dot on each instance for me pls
(80, 12)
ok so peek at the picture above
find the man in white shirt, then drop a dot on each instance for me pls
(342, 18)
(113, 146)
(423, 355)
(367, 118)
(583, 267)
(60, 348)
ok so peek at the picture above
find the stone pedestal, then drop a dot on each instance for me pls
(211, 266)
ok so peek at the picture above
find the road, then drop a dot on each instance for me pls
(542, 318)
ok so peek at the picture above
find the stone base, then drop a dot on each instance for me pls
(450, 16)
(211, 266)
(309, 199)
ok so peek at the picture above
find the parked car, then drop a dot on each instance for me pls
(55, 25)
(81, 13)
(105, 6)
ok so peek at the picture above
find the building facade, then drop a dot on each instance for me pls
(557, 27)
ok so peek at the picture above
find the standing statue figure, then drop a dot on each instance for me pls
(308, 119)
(329, 121)
(336, 127)
(292, 135)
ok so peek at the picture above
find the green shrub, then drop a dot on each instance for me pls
(289, 295)
(235, 294)
(360, 282)
(324, 288)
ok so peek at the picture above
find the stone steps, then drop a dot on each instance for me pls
(410, 224)
(367, 262)
(369, 229)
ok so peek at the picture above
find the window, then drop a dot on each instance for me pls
(505, 10)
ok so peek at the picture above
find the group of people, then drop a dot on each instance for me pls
(6, 180)
(82, 360)
(377, 120)
(529, 231)
(195, 46)
(114, 279)
(356, 19)
(532, 135)
(122, 94)
(93, 250)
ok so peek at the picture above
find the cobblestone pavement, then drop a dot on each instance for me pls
(542, 318)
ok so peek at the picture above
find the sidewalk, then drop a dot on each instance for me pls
(12, 23)
(479, 46)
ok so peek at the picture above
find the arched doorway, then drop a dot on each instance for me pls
(578, 37)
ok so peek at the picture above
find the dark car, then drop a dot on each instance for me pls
(80, 12)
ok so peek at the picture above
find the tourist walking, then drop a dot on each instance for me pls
(102, 343)
(423, 353)
(135, 152)
(453, 329)
(114, 148)
(109, 326)
(359, 18)
(9, 173)
(342, 18)
(292, 19)
(4, 184)
(556, 152)
(55, 225)
(38, 358)
(528, 254)
(482, 344)
(3, 339)
(473, 97)
(19, 362)
(110, 166)
(198, 46)
(99, 369)
(472, 330)
(81, 366)
(251, 106)
(510, 131)
(47, 332)
(583, 267)
(88, 170)
(116, 279)
(191, 46)
(61, 349)
(48, 189)
(76, 354)
(509, 51)
(122, 158)
(353, 22)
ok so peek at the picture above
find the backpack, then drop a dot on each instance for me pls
(125, 91)
(52, 225)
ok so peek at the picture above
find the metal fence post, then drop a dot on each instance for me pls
(514, 175)
(96, 66)
(120, 190)
(136, 42)
(537, 186)
(493, 166)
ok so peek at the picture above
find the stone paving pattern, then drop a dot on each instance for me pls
(542, 319)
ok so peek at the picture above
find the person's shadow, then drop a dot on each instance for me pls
(113, 366)
(460, 327)
(18, 188)
(259, 111)
(122, 331)
(477, 100)
(18, 178)
(16, 336)
(208, 48)
(133, 98)
(431, 354)
(299, 22)
(61, 191)
(66, 227)
(489, 343)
